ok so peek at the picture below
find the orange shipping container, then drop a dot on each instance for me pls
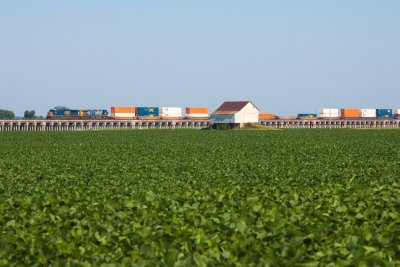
(123, 109)
(266, 116)
(196, 110)
(350, 113)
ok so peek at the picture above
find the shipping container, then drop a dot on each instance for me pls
(148, 112)
(384, 113)
(307, 115)
(368, 113)
(266, 116)
(123, 115)
(170, 112)
(350, 113)
(288, 117)
(123, 110)
(197, 116)
(329, 113)
(192, 110)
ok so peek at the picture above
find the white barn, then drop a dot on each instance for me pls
(236, 112)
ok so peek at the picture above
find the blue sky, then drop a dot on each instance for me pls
(287, 56)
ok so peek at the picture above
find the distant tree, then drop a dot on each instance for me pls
(6, 114)
(29, 114)
(60, 107)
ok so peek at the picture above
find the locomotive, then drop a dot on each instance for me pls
(124, 113)
(77, 114)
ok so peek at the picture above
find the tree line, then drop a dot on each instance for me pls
(8, 114)
(28, 114)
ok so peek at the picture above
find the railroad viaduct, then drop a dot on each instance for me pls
(82, 125)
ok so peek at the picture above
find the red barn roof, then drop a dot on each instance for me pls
(232, 107)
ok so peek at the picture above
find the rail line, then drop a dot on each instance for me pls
(82, 125)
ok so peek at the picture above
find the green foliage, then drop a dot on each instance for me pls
(254, 126)
(221, 126)
(29, 114)
(6, 114)
(200, 198)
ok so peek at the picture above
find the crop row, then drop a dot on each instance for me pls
(187, 197)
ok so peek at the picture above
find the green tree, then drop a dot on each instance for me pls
(29, 114)
(6, 114)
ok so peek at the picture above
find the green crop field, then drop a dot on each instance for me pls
(200, 198)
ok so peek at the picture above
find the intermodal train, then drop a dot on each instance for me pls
(201, 113)
(335, 114)
(121, 113)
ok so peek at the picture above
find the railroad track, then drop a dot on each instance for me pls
(81, 125)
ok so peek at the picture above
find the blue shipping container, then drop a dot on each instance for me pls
(307, 115)
(384, 113)
(147, 111)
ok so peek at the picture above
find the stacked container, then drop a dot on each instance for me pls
(329, 113)
(196, 113)
(384, 113)
(288, 117)
(148, 112)
(171, 113)
(350, 113)
(123, 112)
(266, 116)
(307, 115)
(368, 113)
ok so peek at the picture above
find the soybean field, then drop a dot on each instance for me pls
(200, 198)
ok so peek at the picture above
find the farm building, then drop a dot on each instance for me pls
(236, 113)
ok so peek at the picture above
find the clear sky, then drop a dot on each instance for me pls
(287, 56)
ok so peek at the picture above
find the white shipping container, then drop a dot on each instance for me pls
(197, 115)
(123, 115)
(327, 110)
(329, 113)
(171, 112)
(368, 113)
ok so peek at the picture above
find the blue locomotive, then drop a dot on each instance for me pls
(77, 114)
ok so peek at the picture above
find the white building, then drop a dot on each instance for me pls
(236, 112)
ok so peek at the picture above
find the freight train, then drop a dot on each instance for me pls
(338, 114)
(199, 113)
(120, 113)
